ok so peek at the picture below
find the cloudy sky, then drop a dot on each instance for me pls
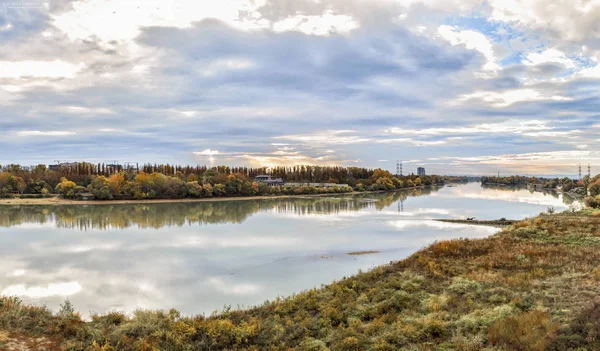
(459, 86)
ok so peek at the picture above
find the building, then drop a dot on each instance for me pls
(267, 179)
(63, 165)
(421, 171)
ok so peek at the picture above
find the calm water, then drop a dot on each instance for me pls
(199, 257)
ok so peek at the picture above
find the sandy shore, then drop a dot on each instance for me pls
(59, 201)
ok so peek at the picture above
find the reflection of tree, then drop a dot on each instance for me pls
(511, 188)
(160, 215)
(567, 198)
(570, 199)
(390, 198)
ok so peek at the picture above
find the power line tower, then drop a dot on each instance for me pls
(589, 171)
(398, 168)
(580, 172)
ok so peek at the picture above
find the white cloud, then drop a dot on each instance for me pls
(18, 273)
(411, 141)
(233, 64)
(127, 18)
(525, 158)
(207, 152)
(509, 97)
(471, 40)
(570, 134)
(429, 143)
(333, 137)
(36, 292)
(549, 56)
(86, 110)
(511, 126)
(572, 20)
(317, 25)
(27, 133)
(46, 69)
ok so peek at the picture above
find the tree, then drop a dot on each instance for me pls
(17, 184)
(219, 190)
(207, 190)
(100, 187)
(193, 189)
(116, 183)
(192, 178)
(66, 188)
(174, 188)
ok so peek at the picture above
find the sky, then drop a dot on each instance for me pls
(456, 86)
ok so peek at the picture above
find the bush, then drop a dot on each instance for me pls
(529, 331)
(591, 202)
(462, 286)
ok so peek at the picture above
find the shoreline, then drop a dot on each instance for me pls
(57, 201)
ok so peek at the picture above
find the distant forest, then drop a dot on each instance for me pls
(154, 181)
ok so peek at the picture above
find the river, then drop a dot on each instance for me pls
(201, 257)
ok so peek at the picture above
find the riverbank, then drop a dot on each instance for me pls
(494, 222)
(55, 200)
(533, 286)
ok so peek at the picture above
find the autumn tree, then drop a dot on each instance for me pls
(66, 188)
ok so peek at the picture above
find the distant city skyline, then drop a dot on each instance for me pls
(458, 87)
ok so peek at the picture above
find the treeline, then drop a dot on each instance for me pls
(566, 183)
(175, 182)
(83, 170)
(510, 180)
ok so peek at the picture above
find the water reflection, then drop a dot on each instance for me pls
(198, 257)
(564, 198)
(104, 217)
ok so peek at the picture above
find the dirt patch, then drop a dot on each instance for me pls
(12, 342)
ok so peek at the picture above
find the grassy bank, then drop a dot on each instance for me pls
(534, 286)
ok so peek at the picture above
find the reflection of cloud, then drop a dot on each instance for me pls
(405, 224)
(53, 289)
(246, 241)
(233, 288)
(367, 214)
(534, 199)
(91, 247)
